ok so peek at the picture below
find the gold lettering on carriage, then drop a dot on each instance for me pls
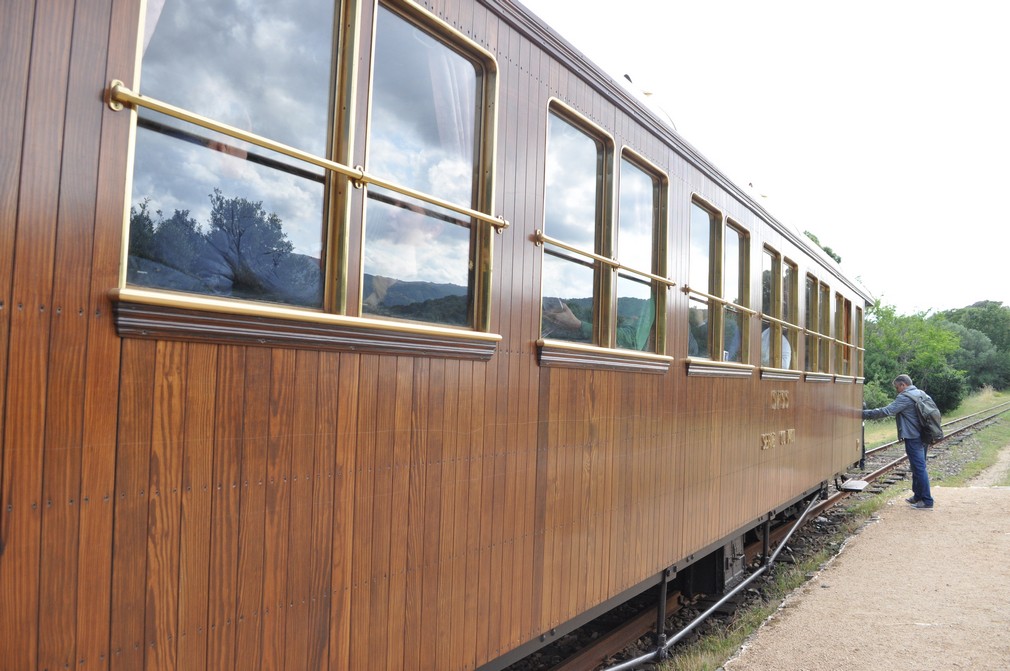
(780, 399)
(778, 438)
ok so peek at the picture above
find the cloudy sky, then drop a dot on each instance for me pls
(880, 126)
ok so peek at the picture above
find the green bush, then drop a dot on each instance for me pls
(875, 396)
(947, 386)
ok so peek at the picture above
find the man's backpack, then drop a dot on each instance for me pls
(929, 418)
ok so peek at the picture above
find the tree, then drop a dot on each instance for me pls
(914, 345)
(989, 317)
(983, 364)
(827, 250)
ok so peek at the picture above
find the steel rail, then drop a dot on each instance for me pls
(957, 420)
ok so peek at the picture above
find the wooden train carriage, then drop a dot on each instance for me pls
(243, 429)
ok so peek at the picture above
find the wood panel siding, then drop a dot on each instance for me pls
(290, 494)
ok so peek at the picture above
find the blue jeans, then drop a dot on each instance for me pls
(916, 453)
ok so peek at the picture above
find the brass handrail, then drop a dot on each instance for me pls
(542, 238)
(119, 95)
(719, 299)
(781, 322)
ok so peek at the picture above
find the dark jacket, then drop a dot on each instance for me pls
(903, 411)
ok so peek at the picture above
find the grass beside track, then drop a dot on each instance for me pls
(972, 455)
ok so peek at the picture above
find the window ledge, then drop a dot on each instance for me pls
(710, 368)
(171, 316)
(819, 377)
(560, 353)
(845, 379)
(780, 374)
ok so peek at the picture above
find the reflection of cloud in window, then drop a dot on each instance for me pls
(238, 62)
(412, 246)
(566, 279)
(424, 90)
(571, 185)
(700, 233)
(634, 239)
(403, 159)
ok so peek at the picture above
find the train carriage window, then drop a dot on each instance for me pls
(639, 223)
(811, 341)
(736, 289)
(210, 214)
(790, 328)
(257, 209)
(859, 342)
(704, 230)
(424, 120)
(843, 335)
(824, 329)
(818, 327)
(776, 350)
(573, 214)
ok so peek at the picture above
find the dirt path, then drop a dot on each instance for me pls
(914, 591)
(994, 474)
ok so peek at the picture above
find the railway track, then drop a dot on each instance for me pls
(880, 467)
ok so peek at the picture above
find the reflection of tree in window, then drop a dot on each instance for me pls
(423, 124)
(242, 251)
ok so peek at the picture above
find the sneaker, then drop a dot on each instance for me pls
(913, 500)
(921, 505)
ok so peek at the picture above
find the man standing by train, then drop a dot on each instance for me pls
(909, 430)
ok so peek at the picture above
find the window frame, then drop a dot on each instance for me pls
(601, 350)
(338, 324)
(716, 305)
(658, 267)
(859, 343)
(844, 348)
(778, 326)
(825, 341)
(819, 355)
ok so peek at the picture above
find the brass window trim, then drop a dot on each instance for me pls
(566, 354)
(163, 314)
(701, 367)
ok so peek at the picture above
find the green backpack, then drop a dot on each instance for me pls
(930, 429)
